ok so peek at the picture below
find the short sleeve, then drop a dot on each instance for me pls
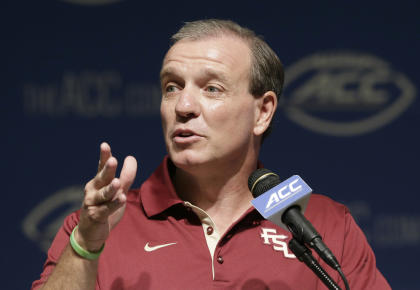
(58, 245)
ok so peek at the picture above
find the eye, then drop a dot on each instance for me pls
(171, 88)
(212, 89)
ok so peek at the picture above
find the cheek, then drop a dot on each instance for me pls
(165, 116)
(231, 119)
(215, 109)
(217, 116)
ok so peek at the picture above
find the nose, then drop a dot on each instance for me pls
(187, 105)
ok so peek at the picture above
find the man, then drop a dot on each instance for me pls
(190, 225)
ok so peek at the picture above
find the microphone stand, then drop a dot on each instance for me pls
(304, 254)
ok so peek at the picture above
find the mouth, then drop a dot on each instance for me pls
(184, 136)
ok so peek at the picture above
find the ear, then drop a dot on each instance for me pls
(267, 105)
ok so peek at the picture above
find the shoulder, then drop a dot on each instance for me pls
(331, 219)
(347, 241)
(321, 206)
(319, 201)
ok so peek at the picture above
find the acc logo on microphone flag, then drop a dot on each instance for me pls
(272, 204)
(285, 191)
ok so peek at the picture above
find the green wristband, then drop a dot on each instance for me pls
(82, 252)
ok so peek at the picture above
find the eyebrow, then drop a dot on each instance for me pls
(167, 72)
(205, 72)
(214, 74)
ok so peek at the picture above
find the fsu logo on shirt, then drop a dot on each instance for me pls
(278, 242)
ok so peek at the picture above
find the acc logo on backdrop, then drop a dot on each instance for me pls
(92, 2)
(43, 222)
(345, 94)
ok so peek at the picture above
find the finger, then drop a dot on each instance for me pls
(105, 154)
(103, 195)
(107, 174)
(102, 212)
(128, 173)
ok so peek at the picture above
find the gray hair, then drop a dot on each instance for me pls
(266, 72)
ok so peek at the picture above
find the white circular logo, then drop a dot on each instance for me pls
(44, 220)
(345, 94)
(91, 2)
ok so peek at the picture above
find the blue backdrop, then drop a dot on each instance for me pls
(78, 72)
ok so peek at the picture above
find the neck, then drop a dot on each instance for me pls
(222, 191)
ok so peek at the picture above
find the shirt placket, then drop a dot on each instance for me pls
(211, 233)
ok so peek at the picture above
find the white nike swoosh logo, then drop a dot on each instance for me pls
(148, 248)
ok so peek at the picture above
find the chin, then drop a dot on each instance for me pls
(188, 159)
(183, 159)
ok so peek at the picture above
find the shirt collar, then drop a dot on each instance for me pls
(158, 193)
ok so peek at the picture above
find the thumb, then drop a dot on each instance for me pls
(128, 173)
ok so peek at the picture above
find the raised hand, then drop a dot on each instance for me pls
(105, 200)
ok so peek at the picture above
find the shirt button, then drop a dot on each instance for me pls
(210, 230)
(220, 260)
(255, 223)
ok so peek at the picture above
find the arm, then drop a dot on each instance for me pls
(103, 207)
(72, 270)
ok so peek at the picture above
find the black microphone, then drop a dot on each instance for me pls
(305, 256)
(286, 201)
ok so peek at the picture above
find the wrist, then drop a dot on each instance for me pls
(91, 253)
(89, 245)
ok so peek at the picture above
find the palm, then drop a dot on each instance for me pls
(105, 198)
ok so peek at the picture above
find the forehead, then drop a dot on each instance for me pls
(225, 52)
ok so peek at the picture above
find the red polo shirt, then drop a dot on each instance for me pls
(160, 244)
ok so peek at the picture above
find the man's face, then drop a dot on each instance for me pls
(208, 114)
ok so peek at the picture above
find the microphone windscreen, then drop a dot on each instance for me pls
(262, 180)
